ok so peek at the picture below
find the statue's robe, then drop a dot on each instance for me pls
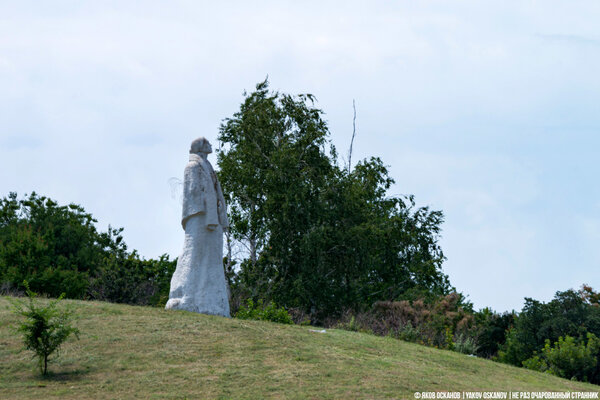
(198, 283)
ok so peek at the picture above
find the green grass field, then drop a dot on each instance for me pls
(127, 352)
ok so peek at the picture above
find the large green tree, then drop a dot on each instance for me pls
(318, 236)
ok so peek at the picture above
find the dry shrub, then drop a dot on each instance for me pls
(299, 316)
(437, 323)
(8, 289)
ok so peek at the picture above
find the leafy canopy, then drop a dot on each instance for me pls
(57, 249)
(568, 314)
(318, 236)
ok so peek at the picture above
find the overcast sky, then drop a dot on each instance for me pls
(489, 111)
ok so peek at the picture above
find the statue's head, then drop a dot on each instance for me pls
(201, 145)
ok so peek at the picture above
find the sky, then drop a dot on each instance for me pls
(487, 110)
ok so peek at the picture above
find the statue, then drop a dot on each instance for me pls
(198, 283)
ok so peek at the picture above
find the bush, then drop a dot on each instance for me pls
(439, 322)
(408, 333)
(465, 344)
(54, 248)
(57, 249)
(491, 330)
(299, 316)
(134, 281)
(568, 314)
(514, 350)
(258, 311)
(353, 323)
(45, 328)
(568, 358)
(434, 323)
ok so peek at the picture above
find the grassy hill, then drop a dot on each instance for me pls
(131, 352)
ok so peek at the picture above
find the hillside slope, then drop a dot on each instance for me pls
(139, 352)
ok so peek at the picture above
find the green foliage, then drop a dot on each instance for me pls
(449, 342)
(58, 249)
(513, 351)
(536, 363)
(491, 331)
(260, 312)
(320, 237)
(408, 333)
(55, 248)
(352, 325)
(465, 344)
(569, 358)
(368, 247)
(133, 280)
(566, 315)
(45, 327)
(272, 168)
(441, 323)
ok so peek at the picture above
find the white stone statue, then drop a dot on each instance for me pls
(198, 283)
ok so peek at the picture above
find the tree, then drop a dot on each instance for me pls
(55, 248)
(566, 315)
(45, 328)
(491, 331)
(58, 249)
(274, 164)
(569, 358)
(318, 236)
(588, 294)
(366, 247)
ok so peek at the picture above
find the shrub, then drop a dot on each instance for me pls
(258, 311)
(45, 327)
(465, 344)
(491, 330)
(568, 314)
(409, 333)
(353, 323)
(568, 358)
(8, 289)
(439, 322)
(434, 323)
(449, 343)
(536, 363)
(134, 280)
(299, 316)
(57, 249)
(514, 350)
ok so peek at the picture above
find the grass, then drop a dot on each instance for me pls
(128, 352)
